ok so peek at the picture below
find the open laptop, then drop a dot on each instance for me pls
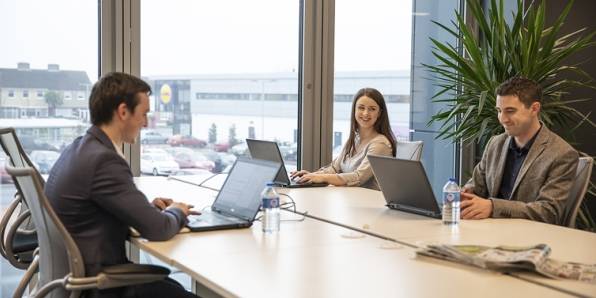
(239, 199)
(267, 150)
(405, 185)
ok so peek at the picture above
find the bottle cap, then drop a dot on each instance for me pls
(270, 183)
(452, 180)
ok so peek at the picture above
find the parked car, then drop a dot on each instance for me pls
(227, 159)
(188, 158)
(240, 150)
(44, 160)
(29, 144)
(215, 158)
(187, 141)
(157, 163)
(152, 137)
(221, 147)
(195, 160)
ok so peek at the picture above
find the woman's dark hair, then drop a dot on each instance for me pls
(110, 91)
(381, 125)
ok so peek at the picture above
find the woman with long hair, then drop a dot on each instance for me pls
(370, 133)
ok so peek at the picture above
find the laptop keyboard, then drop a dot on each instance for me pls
(212, 218)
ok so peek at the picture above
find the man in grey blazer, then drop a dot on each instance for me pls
(91, 187)
(527, 171)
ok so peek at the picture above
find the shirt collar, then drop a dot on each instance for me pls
(527, 146)
(119, 150)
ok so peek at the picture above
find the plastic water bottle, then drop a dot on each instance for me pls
(451, 199)
(270, 209)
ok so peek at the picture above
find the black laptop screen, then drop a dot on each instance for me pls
(267, 150)
(241, 193)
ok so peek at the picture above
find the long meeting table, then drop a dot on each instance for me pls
(326, 255)
(364, 209)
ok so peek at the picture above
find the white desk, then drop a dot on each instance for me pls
(363, 208)
(314, 259)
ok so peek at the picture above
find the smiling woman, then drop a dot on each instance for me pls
(369, 134)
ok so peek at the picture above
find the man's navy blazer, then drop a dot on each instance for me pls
(91, 189)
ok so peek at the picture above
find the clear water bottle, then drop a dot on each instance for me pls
(451, 199)
(270, 209)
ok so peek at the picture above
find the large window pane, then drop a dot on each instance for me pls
(439, 155)
(48, 63)
(372, 49)
(221, 71)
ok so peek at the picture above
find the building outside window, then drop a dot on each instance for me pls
(32, 81)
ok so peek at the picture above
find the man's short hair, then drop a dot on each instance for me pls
(110, 91)
(525, 89)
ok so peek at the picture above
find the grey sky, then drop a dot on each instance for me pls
(201, 37)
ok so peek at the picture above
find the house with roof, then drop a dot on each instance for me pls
(38, 93)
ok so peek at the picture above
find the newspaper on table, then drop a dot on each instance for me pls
(509, 259)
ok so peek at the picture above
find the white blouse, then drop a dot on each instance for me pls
(356, 170)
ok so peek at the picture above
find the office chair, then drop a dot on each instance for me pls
(61, 267)
(18, 241)
(409, 150)
(577, 191)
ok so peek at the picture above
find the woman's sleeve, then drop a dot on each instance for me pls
(364, 171)
(333, 168)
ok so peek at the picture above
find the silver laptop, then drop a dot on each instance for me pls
(239, 199)
(405, 185)
(267, 150)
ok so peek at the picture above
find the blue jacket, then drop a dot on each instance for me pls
(91, 189)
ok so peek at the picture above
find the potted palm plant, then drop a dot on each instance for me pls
(468, 77)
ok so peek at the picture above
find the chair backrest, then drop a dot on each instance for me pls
(58, 253)
(409, 150)
(14, 150)
(577, 191)
(17, 157)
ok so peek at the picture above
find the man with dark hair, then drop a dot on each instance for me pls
(91, 187)
(527, 171)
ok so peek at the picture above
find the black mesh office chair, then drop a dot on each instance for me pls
(61, 267)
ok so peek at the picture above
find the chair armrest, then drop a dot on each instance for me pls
(132, 268)
(10, 237)
(130, 274)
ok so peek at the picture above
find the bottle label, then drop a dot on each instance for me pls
(270, 203)
(451, 197)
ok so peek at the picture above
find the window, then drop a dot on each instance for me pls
(372, 52)
(438, 155)
(41, 127)
(67, 95)
(237, 91)
(80, 96)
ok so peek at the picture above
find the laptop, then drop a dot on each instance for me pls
(405, 185)
(239, 199)
(267, 150)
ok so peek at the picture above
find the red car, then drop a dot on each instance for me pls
(187, 141)
(222, 147)
(195, 160)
